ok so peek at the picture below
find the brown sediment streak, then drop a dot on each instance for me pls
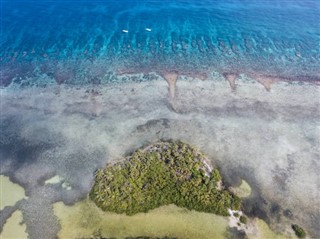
(268, 80)
(264, 80)
(231, 78)
(171, 78)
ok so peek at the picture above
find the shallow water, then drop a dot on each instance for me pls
(71, 132)
(78, 92)
(84, 219)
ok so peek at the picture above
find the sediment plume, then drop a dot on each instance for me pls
(264, 80)
(231, 78)
(171, 78)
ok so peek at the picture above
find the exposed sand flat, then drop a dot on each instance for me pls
(14, 228)
(84, 219)
(268, 138)
(10, 192)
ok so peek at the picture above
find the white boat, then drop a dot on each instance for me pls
(125, 31)
(148, 29)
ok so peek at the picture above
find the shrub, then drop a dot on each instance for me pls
(299, 231)
(243, 219)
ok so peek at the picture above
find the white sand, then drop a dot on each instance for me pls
(54, 180)
(58, 179)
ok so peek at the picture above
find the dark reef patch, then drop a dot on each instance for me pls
(234, 233)
(162, 123)
(17, 72)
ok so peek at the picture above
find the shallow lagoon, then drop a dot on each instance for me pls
(84, 220)
(71, 132)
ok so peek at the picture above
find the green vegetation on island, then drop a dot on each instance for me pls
(299, 231)
(161, 174)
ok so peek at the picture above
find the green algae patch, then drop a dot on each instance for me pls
(244, 190)
(85, 220)
(162, 174)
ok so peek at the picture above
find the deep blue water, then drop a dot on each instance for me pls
(271, 36)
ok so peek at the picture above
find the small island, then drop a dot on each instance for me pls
(161, 174)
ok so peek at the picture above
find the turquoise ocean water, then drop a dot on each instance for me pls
(273, 37)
